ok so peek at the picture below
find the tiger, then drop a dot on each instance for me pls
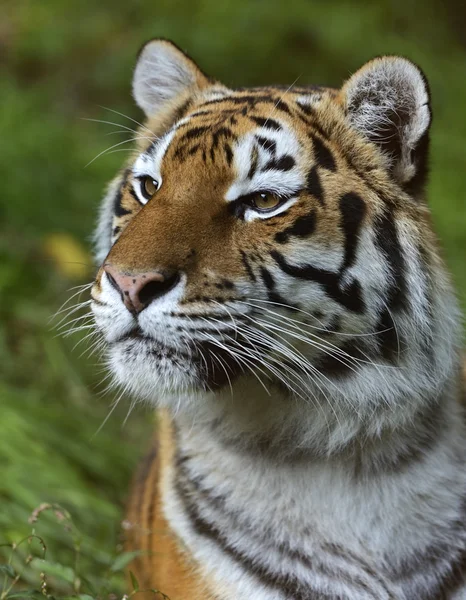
(271, 283)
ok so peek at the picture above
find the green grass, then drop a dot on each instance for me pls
(60, 63)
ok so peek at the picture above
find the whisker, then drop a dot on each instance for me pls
(70, 311)
(124, 127)
(107, 150)
(113, 407)
(304, 364)
(82, 289)
(242, 357)
(76, 320)
(130, 119)
(301, 324)
(326, 346)
(258, 354)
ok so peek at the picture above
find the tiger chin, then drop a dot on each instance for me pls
(270, 281)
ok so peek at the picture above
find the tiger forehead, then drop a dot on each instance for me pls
(232, 115)
(264, 119)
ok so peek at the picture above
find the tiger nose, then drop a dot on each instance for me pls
(140, 289)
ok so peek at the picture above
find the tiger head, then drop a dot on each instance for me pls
(275, 243)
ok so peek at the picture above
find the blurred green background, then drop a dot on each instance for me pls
(61, 62)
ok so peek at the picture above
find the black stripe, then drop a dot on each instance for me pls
(180, 152)
(247, 266)
(181, 110)
(386, 238)
(267, 123)
(341, 364)
(248, 99)
(356, 560)
(254, 161)
(281, 105)
(266, 144)
(387, 337)
(200, 113)
(267, 279)
(284, 163)
(302, 227)
(225, 132)
(427, 341)
(269, 283)
(313, 186)
(306, 108)
(352, 209)
(133, 194)
(349, 296)
(308, 112)
(194, 133)
(228, 153)
(118, 209)
(323, 156)
(420, 157)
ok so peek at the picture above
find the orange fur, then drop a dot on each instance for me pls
(162, 564)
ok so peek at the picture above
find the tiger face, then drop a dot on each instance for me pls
(273, 238)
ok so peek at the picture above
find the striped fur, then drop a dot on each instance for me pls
(304, 357)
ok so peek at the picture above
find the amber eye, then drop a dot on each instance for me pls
(265, 201)
(148, 186)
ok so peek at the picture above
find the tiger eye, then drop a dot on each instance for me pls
(148, 187)
(265, 201)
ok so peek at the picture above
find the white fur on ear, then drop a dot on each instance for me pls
(162, 73)
(388, 101)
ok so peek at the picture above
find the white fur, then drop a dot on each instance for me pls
(388, 86)
(103, 233)
(150, 163)
(161, 74)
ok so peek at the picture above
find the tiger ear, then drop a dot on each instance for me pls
(162, 74)
(388, 101)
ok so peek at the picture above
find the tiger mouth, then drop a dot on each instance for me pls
(215, 365)
(135, 334)
(152, 346)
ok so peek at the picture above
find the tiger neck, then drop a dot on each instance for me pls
(383, 496)
(426, 458)
(397, 417)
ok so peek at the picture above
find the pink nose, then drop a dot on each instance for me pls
(138, 290)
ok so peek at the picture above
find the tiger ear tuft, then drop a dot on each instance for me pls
(388, 101)
(163, 74)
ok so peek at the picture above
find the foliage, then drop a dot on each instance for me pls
(60, 63)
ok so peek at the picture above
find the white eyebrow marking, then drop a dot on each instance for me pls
(273, 180)
(149, 163)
